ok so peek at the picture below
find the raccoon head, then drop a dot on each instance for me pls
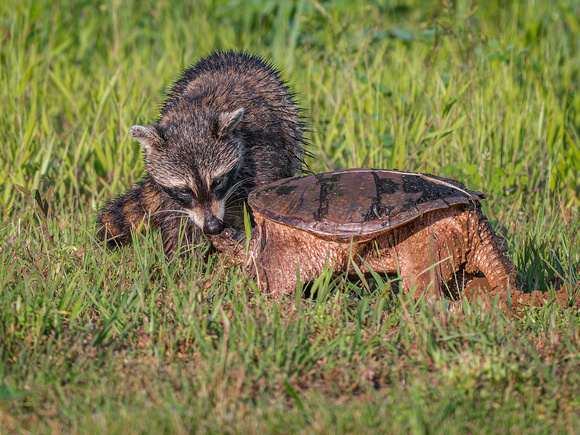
(195, 161)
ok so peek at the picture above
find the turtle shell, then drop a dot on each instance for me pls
(357, 204)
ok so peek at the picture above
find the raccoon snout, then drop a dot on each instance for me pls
(212, 225)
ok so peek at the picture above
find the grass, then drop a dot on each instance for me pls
(94, 340)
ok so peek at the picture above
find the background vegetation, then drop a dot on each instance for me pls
(90, 340)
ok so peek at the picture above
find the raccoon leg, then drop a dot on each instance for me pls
(179, 236)
(121, 215)
(136, 210)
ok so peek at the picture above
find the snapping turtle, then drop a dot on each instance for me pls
(428, 229)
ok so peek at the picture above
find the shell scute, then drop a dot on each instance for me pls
(357, 203)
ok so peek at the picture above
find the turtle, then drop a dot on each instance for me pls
(427, 229)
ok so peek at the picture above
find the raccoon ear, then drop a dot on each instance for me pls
(147, 136)
(227, 122)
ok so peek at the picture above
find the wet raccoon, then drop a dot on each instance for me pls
(229, 125)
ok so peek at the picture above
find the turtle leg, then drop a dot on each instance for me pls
(278, 254)
(489, 255)
(412, 253)
(417, 260)
(272, 259)
(266, 272)
(422, 278)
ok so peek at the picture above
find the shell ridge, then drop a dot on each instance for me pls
(359, 203)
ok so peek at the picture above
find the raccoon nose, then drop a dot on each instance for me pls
(212, 225)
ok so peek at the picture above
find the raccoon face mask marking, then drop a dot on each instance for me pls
(207, 215)
(182, 195)
(197, 175)
(190, 152)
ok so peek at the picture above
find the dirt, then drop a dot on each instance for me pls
(518, 300)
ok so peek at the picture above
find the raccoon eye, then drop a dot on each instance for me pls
(221, 186)
(182, 196)
(218, 186)
(185, 196)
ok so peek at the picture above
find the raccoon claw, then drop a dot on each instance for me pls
(231, 236)
(230, 242)
(228, 233)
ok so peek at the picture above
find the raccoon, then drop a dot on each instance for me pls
(228, 125)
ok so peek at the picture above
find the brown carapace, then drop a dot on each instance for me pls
(428, 230)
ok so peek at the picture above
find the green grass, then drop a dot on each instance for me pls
(93, 340)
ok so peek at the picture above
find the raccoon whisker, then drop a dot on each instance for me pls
(170, 211)
(232, 189)
(177, 216)
(233, 211)
(169, 218)
(235, 205)
(233, 193)
(238, 206)
(237, 213)
(237, 200)
(227, 216)
(234, 198)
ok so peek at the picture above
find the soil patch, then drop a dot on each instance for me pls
(518, 300)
